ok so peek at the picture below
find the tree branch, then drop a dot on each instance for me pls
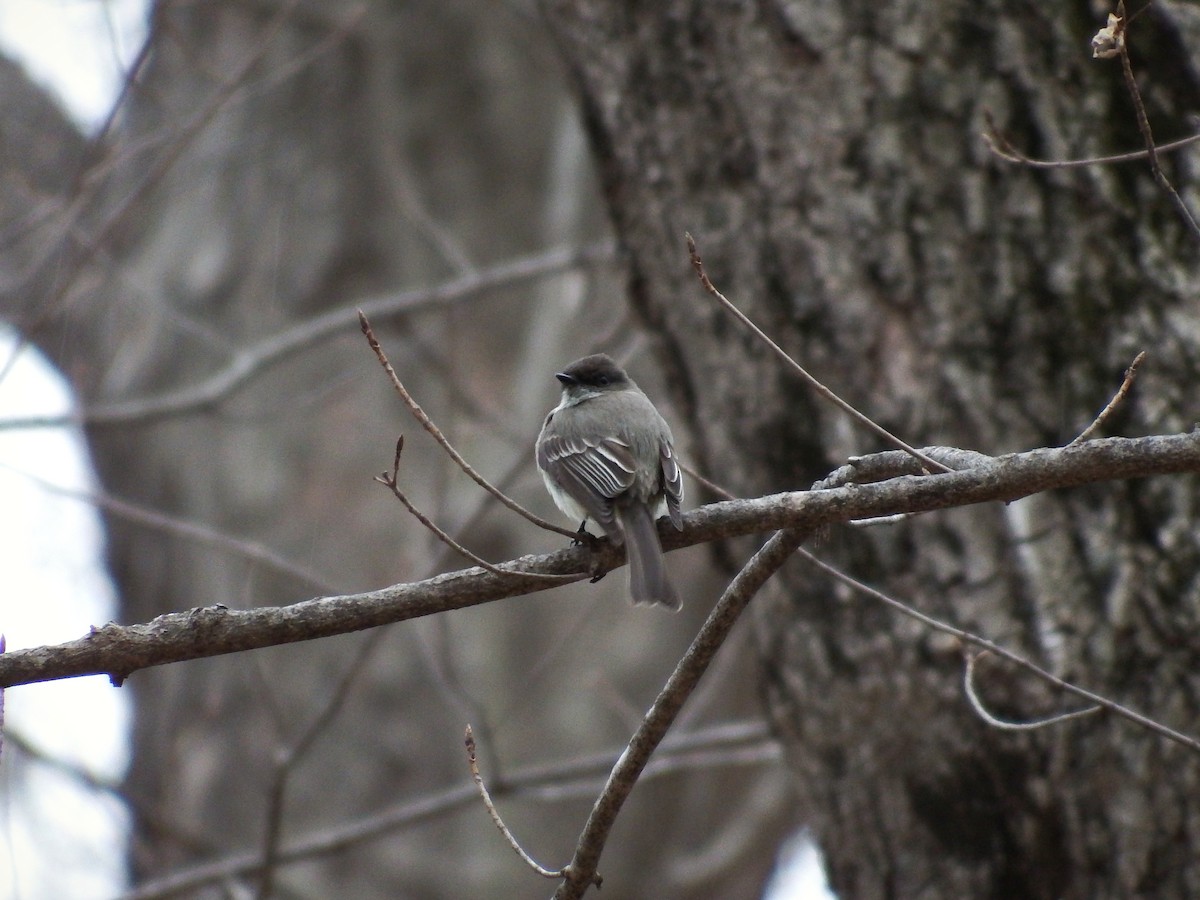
(732, 744)
(252, 361)
(822, 391)
(581, 872)
(118, 651)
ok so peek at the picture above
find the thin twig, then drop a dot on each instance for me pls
(151, 814)
(156, 520)
(967, 637)
(391, 481)
(716, 489)
(249, 362)
(732, 744)
(399, 182)
(495, 814)
(1002, 147)
(867, 422)
(90, 247)
(581, 872)
(1143, 122)
(295, 754)
(1004, 724)
(1118, 397)
(428, 425)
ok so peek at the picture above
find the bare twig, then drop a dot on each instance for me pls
(290, 758)
(96, 142)
(716, 489)
(495, 814)
(89, 248)
(400, 185)
(1122, 49)
(1110, 41)
(731, 744)
(867, 422)
(252, 361)
(251, 551)
(581, 872)
(1002, 147)
(392, 482)
(967, 637)
(1111, 406)
(428, 425)
(144, 811)
(1003, 724)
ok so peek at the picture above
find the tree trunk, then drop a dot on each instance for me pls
(828, 159)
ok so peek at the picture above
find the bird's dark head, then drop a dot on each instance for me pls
(594, 374)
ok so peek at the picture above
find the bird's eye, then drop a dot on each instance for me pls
(601, 380)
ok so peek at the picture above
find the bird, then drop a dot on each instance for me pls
(607, 455)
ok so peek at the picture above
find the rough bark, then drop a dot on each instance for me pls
(827, 157)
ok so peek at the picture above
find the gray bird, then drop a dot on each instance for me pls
(606, 454)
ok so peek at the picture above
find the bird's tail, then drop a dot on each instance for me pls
(648, 581)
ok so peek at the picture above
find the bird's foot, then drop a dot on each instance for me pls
(583, 536)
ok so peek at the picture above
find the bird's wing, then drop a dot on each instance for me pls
(672, 482)
(591, 472)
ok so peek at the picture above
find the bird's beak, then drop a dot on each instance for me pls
(565, 378)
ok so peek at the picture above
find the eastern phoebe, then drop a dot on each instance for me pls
(606, 455)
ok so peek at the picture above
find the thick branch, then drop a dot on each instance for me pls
(120, 650)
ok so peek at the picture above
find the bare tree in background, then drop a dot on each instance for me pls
(272, 163)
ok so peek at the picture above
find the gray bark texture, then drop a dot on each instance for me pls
(828, 158)
(273, 163)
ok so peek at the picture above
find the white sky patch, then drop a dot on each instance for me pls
(78, 49)
(58, 838)
(799, 873)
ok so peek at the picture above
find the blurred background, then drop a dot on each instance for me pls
(505, 187)
(481, 163)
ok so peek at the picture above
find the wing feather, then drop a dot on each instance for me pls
(592, 473)
(672, 482)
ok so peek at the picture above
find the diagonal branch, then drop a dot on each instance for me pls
(392, 482)
(823, 391)
(485, 795)
(428, 424)
(967, 637)
(252, 361)
(1118, 398)
(581, 873)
